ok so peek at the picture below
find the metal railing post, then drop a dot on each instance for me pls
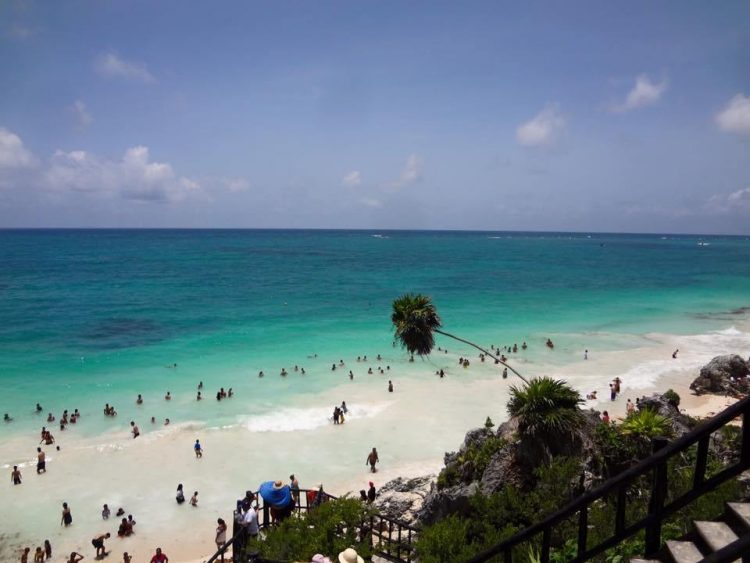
(745, 453)
(656, 502)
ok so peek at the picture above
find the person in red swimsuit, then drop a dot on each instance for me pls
(159, 557)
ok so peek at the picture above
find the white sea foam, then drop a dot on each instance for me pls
(695, 351)
(291, 419)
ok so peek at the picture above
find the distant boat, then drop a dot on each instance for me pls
(704, 244)
(378, 236)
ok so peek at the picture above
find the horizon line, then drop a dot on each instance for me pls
(389, 230)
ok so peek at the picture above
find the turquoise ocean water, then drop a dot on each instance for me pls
(95, 316)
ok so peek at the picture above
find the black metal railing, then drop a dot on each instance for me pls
(388, 538)
(739, 549)
(616, 489)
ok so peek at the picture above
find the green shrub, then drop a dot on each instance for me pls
(328, 529)
(672, 398)
(488, 423)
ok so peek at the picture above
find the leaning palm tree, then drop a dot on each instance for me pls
(416, 321)
(546, 407)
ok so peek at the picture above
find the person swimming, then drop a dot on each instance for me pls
(168, 396)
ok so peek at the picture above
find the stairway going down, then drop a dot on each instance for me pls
(724, 540)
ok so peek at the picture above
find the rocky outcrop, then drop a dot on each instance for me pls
(401, 499)
(489, 460)
(442, 502)
(662, 405)
(724, 375)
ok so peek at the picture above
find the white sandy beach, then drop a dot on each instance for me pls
(412, 428)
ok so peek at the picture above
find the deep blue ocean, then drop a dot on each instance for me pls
(88, 316)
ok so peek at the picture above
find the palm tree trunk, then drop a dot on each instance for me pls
(454, 337)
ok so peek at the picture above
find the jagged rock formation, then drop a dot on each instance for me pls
(724, 375)
(488, 459)
(401, 499)
(662, 405)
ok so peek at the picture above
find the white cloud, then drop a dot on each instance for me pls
(236, 185)
(543, 129)
(352, 180)
(133, 177)
(738, 201)
(410, 174)
(735, 117)
(112, 66)
(82, 116)
(12, 152)
(644, 93)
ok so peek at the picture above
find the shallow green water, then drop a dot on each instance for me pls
(88, 317)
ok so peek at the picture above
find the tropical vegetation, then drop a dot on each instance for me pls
(416, 321)
(545, 407)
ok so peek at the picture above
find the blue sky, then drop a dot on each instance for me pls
(587, 116)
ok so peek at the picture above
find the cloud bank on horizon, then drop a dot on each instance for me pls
(588, 117)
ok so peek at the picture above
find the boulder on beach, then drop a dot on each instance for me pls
(724, 375)
(401, 499)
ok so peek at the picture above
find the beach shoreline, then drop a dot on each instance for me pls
(141, 474)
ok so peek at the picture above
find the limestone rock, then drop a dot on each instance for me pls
(442, 503)
(401, 499)
(725, 375)
(660, 404)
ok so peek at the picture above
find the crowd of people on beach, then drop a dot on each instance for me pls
(126, 524)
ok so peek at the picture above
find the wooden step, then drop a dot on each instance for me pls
(684, 551)
(715, 534)
(741, 511)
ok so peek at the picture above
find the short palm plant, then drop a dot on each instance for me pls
(416, 321)
(646, 423)
(546, 407)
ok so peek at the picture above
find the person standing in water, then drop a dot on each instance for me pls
(41, 462)
(67, 517)
(15, 476)
(372, 459)
(390, 386)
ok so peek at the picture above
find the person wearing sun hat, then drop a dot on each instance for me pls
(349, 555)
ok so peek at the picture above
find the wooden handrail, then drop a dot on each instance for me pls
(617, 484)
